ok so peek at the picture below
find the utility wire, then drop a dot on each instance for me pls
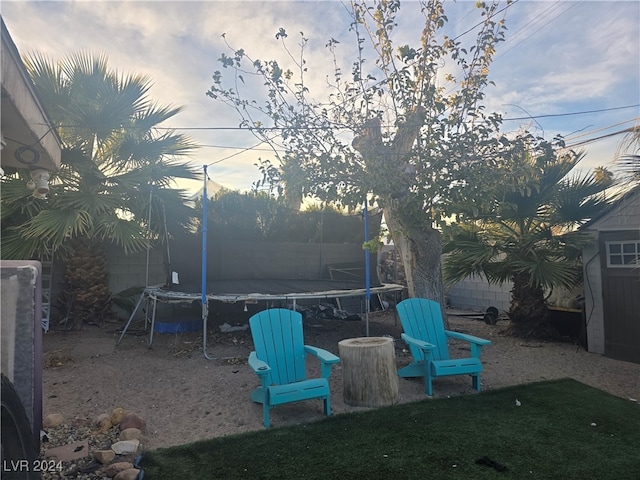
(573, 137)
(538, 19)
(255, 147)
(584, 112)
(346, 127)
(601, 137)
(482, 22)
(235, 154)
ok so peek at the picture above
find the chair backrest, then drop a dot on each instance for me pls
(279, 341)
(422, 320)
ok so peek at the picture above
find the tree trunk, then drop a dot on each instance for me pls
(528, 312)
(87, 282)
(420, 250)
(391, 177)
(369, 371)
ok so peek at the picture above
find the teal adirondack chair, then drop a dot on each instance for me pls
(279, 360)
(426, 337)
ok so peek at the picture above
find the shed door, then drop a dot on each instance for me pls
(621, 294)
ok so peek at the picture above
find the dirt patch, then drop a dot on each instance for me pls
(185, 397)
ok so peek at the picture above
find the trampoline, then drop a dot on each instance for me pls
(298, 290)
(205, 270)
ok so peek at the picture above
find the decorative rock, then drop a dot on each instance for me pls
(69, 452)
(104, 422)
(80, 422)
(104, 456)
(116, 415)
(129, 474)
(130, 434)
(132, 420)
(115, 468)
(53, 420)
(125, 447)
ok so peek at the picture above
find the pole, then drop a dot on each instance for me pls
(203, 296)
(146, 280)
(367, 280)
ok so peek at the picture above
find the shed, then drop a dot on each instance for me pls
(611, 268)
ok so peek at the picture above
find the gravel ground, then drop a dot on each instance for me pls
(185, 397)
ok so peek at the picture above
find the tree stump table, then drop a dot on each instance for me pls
(369, 371)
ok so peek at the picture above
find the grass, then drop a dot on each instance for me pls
(562, 430)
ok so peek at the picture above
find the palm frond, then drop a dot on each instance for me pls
(15, 247)
(547, 271)
(111, 154)
(125, 233)
(54, 226)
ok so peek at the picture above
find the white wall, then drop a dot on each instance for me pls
(593, 303)
(476, 294)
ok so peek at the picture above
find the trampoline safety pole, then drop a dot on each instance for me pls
(203, 296)
(367, 279)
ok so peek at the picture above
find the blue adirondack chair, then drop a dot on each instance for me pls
(279, 360)
(426, 337)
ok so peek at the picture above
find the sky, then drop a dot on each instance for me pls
(566, 67)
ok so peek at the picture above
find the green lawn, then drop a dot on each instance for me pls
(562, 430)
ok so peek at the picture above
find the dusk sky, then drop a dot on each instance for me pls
(574, 66)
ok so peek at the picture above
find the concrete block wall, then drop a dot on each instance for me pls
(476, 294)
(472, 294)
(126, 271)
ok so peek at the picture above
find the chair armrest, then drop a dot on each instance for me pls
(475, 342)
(258, 366)
(426, 346)
(468, 338)
(327, 359)
(323, 355)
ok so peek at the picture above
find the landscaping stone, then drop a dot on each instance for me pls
(125, 447)
(103, 421)
(69, 452)
(130, 434)
(80, 422)
(104, 456)
(116, 415)
(132, 420)
(129, 474)
(115, 468)
(53, 420)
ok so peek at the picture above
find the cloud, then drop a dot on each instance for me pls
(558, 57)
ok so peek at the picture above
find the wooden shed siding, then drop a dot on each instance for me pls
(621, 302)
(622, 329)
(593, 299)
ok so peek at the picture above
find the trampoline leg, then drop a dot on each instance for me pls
(205, 315)
(126, 327)
(153, 322)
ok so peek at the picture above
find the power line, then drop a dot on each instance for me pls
(547, 12)
(483, 21)
(570, 138)
(234, 154)
(573, 137)
(584, 112)
(233, 147)
(344, 127)
(347, 127)
(601, 137)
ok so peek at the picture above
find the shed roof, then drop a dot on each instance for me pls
(624, 214)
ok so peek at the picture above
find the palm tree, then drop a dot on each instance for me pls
(115, 181)
(628, 155)
(528, 235)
